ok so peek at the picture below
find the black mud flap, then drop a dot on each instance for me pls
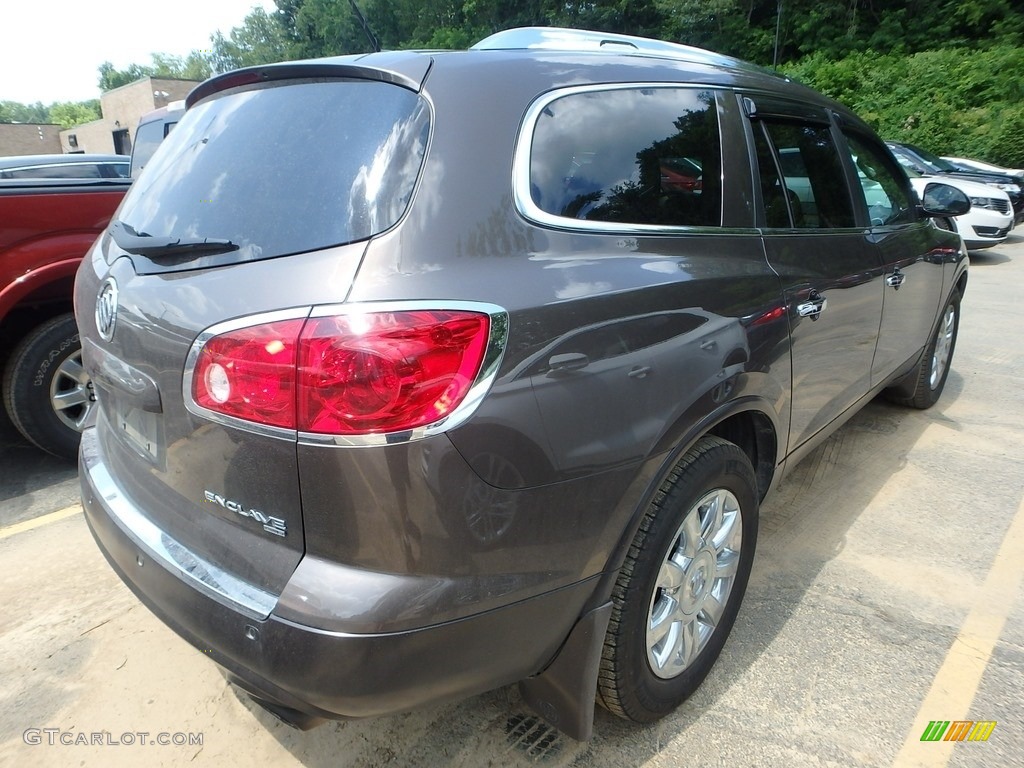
(563, 694)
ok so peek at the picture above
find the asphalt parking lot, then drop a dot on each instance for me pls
(886, 594)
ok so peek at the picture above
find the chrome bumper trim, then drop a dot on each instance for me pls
(167, 552)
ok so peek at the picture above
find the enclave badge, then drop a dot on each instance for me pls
(106, 309)
(274, 525)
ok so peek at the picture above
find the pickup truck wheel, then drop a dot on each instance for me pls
(682, 583)
(47, 393)
(933, 370)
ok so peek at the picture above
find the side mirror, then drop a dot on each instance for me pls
(944, 200)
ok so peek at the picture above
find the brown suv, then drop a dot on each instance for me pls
(407, 391)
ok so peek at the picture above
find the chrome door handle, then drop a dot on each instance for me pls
(895, 279)
(812, 308)
(639, 372)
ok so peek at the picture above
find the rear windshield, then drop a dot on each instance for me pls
(285, 168)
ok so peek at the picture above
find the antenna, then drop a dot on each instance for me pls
(778, 24)
(374, 42)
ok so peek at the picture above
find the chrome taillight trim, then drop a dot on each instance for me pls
(496, 343)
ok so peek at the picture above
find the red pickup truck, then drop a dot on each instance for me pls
(46, 227)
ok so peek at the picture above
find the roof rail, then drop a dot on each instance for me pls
(562, 39)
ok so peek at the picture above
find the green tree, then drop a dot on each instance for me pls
(16, 112)
(960, 101)
(260, 39)
(68, 114)
(111, 78)
(195, 66)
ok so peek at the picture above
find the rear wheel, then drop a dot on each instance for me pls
(47, 394)
(680, 588)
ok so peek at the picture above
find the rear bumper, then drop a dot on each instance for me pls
(325, 673)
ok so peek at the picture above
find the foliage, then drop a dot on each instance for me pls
(68, 114)
(259, 40)
(196, 66)
(956, 101)
(941, 73)
(16, 112)
(837, 28)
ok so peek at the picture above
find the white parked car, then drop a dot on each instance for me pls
(991, 216)
(978, 165)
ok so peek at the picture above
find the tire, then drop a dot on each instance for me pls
(47, 394)
(929, 378)
(642, 675)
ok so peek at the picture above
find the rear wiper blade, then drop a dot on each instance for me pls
(155, 246)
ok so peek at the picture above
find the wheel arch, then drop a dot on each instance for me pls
(564, 692)
(749, 422)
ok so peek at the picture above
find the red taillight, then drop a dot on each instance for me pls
(250, 373)
(387, 371)
(359, 373)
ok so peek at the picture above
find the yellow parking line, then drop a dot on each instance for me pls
(957, 681)
(38, 522)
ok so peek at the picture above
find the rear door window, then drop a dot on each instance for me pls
(813, 179)
(58, 171)
(648, 156)
(285, 168)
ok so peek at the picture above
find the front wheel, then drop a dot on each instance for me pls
(680, 588)
(47, 393)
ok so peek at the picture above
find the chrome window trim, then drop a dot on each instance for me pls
(172, 555)
(496, 342)
(529, 210)
(98, 163)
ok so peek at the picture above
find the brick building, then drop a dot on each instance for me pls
(121, 108)
(29, 139)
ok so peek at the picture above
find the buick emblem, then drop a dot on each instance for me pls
(106, 309)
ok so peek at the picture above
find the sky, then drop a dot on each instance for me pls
(52, 49)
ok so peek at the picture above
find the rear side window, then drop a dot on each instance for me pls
(285, 168)
(147, 139)
(630, 156)
(813, 180)
(59, 171)
(116, 170)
